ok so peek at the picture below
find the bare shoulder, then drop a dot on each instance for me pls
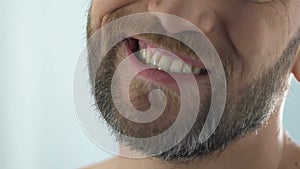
(118, 163)
(295, 154)
(111, 163)
(291, 156)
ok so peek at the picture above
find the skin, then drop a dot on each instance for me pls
(254, 29)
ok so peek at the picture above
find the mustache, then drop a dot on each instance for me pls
(175, 45)
(145, 24)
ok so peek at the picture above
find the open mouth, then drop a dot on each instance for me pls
(157, 57)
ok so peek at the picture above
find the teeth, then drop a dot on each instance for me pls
(142, 55)
(176, 66)
(148, 57)
(166, 63)
(196, 70)
(187, 68)
(155, 59)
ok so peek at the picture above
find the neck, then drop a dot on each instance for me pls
(260, 149)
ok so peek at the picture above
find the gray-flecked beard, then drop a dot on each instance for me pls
(243, 113)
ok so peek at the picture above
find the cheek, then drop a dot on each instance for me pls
(258, 38)
(100, 8)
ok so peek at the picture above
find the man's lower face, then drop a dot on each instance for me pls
(247, 107)
(243, 113)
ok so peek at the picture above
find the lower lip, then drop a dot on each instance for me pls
(163, 78)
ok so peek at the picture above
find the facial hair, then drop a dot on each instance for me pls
(243, 113)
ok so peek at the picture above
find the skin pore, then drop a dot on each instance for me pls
(259, 32)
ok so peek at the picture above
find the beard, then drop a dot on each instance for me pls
(245, 111)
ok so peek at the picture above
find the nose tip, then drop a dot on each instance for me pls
(195, 11)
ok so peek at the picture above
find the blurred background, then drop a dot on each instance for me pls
(40, 42)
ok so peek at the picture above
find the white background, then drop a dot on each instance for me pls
(40, 42)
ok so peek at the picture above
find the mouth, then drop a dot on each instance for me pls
(159, 58)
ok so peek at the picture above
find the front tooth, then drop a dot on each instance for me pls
(155, 59)
(176, 66)
(142, 55)
(148, 57)
(187, 68)
(164, 63)
(196, 70)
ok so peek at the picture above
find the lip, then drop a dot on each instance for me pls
(162, 78)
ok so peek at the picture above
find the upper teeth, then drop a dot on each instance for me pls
(166, 63)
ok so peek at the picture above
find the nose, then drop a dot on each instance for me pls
(198, 12)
